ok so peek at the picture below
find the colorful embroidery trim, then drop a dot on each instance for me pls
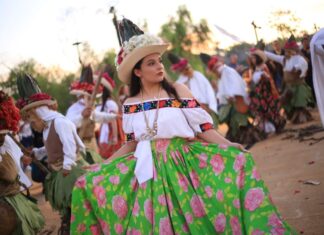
(206, 126)
(168, 103)
(130, 137)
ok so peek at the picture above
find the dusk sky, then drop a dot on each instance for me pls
(45, 29)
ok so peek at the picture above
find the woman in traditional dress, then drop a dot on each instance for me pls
(111, 135)
(163, 180)
(264, 97)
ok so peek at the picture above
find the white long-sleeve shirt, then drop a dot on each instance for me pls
(9, 146)
(110, 107)
(230, 84)
(66, 131)
(201, 89)
(297, 61)
(74, 113)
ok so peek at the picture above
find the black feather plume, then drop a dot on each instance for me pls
(86, 75)
(204, 58)
(173, 58)
(27, 85)
(128, 29)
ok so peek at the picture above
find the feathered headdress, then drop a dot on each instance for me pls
(178, 64)
(291, 43)
(208, 60)
(107, 78)
(85, 85)
(30, 94)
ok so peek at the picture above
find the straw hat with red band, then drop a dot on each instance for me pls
(108, 82)
(291, 43)
(9, 114)
(30, 94)
(136, 46)
(106, 78)
(178, 64)
(85, 85)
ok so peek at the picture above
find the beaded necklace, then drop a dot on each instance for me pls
(151, 132)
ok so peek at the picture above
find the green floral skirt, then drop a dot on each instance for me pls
(197, 188)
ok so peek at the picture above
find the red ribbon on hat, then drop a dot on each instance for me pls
(84, 86)
(211, 63)
(109, 79)
(253, 49)
(120, 56)
(179, 66)
(38, 97)
(291, 45)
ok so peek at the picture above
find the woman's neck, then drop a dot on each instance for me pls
(150, 90)
(258, 67)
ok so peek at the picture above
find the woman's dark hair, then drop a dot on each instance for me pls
(258, 60)
(106, 94)
(135, 84)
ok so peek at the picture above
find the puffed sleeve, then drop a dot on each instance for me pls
(198, 118)
(128, 126)
(301, 65)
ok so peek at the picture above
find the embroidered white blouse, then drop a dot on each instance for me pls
(175, 119)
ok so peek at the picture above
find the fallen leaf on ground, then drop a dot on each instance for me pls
(312, 182)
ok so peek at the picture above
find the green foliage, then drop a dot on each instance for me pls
(183, 34)
(10, 85)
(58, 88)
(185, 38)
(239, 49)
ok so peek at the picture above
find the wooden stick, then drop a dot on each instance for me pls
(95, 90)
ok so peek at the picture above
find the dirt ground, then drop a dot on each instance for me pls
(285, 165)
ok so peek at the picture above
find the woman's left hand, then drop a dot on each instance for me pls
(240, 147)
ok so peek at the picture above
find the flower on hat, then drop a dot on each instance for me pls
(83, 86)
(134, 42)
(211, 63)
(21, 102)
(38, 97)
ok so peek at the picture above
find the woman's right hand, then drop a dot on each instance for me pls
(87, 112)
